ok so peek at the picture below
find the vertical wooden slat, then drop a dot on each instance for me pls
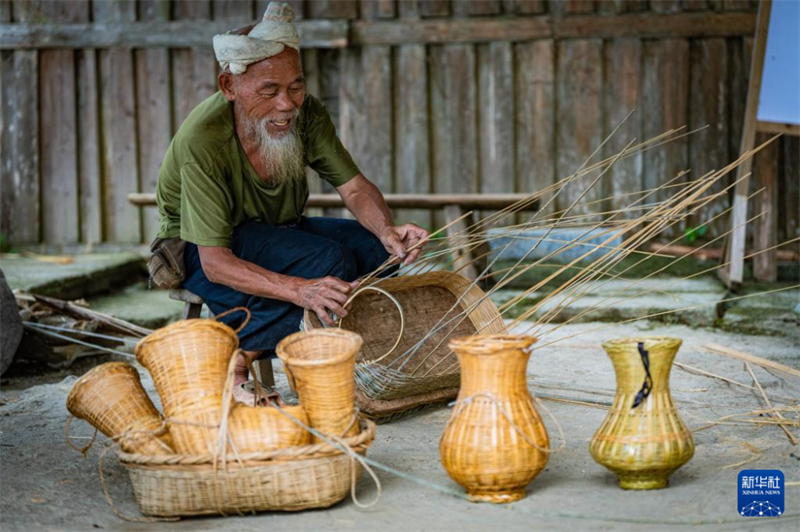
(708, 149)
(694, 5)
(765, 267)
(571, 7)
(665, 6)
(740, 5)
(233, 10)
(789, 187)
(90, 174)
(332, 9)
(59, 151)
(352, 116)
(433, 8)
(193, 70)
(381, 9)
(311, 72)
(623, 6)
(740, 51)
(21, 193)
(665, 98)
(525, 7)
(118, 119)
(376, 162)
(579, 116)
(6, 65)
(496, 117)
(623, 73)
(453, 105)
(153, 112)
(329, 66)
(412, 144)
(476, 7)
(534, 78)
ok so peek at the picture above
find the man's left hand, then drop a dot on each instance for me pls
(399, 239)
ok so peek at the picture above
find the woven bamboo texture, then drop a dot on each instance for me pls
(321, 365)
(408, 378)
(644, 445)
(292, 479)
(495, 443)
(189, 362)
(112, 399)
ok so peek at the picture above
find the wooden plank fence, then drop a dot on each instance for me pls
(444, 96)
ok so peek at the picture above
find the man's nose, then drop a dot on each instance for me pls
(284, 102)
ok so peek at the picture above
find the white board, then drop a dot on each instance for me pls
(780, 83)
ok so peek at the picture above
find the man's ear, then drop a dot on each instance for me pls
(226, 84)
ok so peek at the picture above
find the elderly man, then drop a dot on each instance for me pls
(233, 185)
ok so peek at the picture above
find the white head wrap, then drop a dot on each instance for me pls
(267, 38)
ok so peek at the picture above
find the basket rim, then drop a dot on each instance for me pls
(487, 344)
(360, 441)
(650, 342)
(96, 372)
(355, 338)
(179, 327)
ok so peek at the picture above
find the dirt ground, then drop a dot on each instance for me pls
(46, 485)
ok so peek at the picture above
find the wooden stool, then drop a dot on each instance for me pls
(193, 306)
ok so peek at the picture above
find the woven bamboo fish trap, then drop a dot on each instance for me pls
(395, 373)
(320, 364)
(495, 443)
(291, 479)
(643, 440)
(189, 361)
(112, 399)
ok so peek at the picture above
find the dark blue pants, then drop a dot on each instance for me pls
(314, 248)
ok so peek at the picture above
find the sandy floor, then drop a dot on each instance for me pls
(46, 485)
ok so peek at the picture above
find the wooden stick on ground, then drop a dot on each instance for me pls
(726, 351)
(792, 437)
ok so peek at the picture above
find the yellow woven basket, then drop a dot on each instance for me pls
(291, 479)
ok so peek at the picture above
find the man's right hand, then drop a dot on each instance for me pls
(323, 295)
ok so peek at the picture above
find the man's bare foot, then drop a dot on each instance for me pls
(244, 393)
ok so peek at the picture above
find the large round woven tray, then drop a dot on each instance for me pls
(387, 390)
(291, 479)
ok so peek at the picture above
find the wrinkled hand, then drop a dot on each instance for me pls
(323, 295)
(397, 239)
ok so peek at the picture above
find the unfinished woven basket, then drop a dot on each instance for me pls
(189, 361)
(112, 399)
(292, 479)
(408, 378)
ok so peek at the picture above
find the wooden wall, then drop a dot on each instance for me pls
(429, 95)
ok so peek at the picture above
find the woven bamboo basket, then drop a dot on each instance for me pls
(495, 443)
(643, 444)
(189, 361)
(112, 399)
(291, 479)
(321, 364)
(406, 378)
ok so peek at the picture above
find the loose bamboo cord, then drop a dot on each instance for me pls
(557, 186)
(651, 290)
(528, 331)
(722, 172)
(488, 267)
(399, 309)
(640, 237)
(505, 280)
(703, 272)
(581, 283)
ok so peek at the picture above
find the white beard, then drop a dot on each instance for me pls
(282, 155)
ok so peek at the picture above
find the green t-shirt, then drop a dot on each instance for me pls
(207, 186)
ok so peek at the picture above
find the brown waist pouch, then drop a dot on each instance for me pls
(166, 262)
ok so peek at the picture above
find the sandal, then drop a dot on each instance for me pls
(245, 393)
